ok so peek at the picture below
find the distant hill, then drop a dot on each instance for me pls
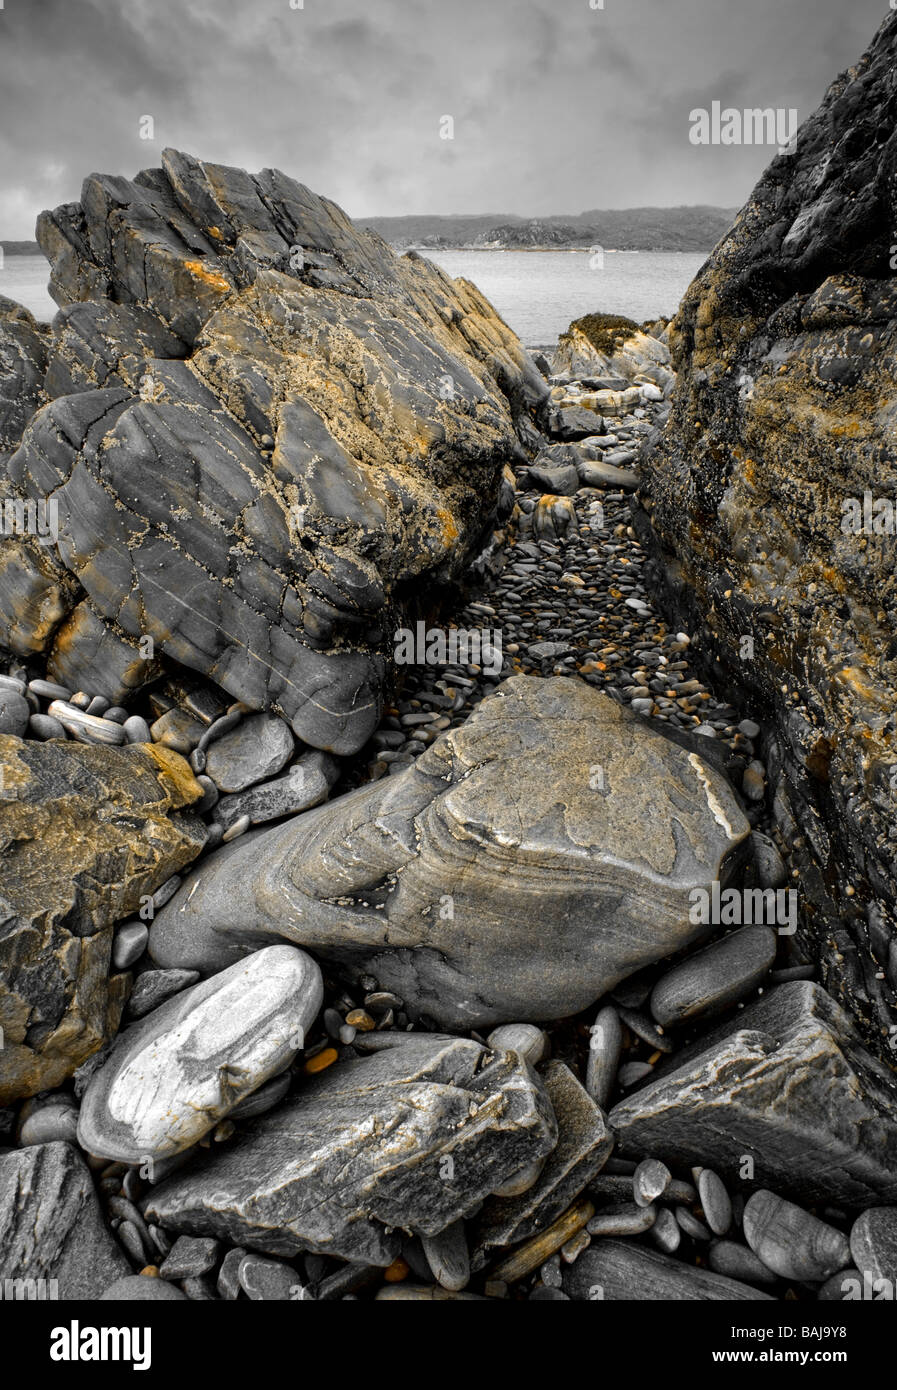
(20, 248)
(696, 229)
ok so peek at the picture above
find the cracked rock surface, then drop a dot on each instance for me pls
(412, 1137)
(262, 431)
(507, 874)
(62, 890)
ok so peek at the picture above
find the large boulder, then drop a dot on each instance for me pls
(413, 1137)
(771, 495)
(85, 833)
(610, 346)
(266, 432)
(527, 862)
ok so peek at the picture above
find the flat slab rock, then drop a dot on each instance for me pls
(85, 831)
(583, 1147)
(786, 1082)
(262, 424)
(51, 1225)
(174, 1075)
(525, 864)
(619, 1271)
(411, 1137)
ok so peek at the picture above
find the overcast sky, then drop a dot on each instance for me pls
(557, 106)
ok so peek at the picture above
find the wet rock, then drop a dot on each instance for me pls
(583, 1147)
(172, 1077)
(273, 424)
(153, 987)
(781, 532)
(51, 1226)
(451, 882)
(873, 1243)
(412, 1137)
(600, 474)
(85, 832)
(617, 1270)
(786, 1082)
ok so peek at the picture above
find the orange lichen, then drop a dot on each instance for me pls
(209, 277)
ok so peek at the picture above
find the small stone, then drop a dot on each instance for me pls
(229, 1285)
(873, 1243)
(690, 1224)
(54, 1119)
(132, 1242)
(234, 832)
(190, 1255)
(624, 1270)
(534, 1252)
(267, 1281)
(15, 712)
(753, 781)
(650, 1181)
(769, 864)
(49, 690)
(87, 728)
(715, 1202)
(253, 752)
(360, 1020)
(573, 1248)
(142, 1288)
(791, 1242)
(531, 1042)
(448, 1256)
(154, 987)
(712, 979)
(605, 1048)
(129, 944)
(44, 726)
(847, 1284)
(627, 1219)
(666, 1233)
(264, 1099)
(137, 730)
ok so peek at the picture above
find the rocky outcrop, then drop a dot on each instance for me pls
(266, 433)
(62, 890)
(527, 862)
(771, 498)
(613, 348)
(412, 1138)
(53, 1241)
(784, 1095)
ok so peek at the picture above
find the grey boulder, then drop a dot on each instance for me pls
(525, 864)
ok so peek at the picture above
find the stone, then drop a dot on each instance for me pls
(48, 1121)
(873, 1243)
(307, 784)
(412, 1137)
(650, 1181)
(142, 1288)
(594, 473)
(258, 748)
(618, 1270)
(188, 1256)
(608, 345)
(553, 518)
(560, 482)
(129, 944)
(791, 1242)
(269, 1281)
(153, 987)
(768, 508)
(14, 713)
(583, 1147)
(710, 980)
(573, 422)
(738, 1262)
(525, 1038)
(448, 1257)
(501, 816)
(715, 1201)
(258, 405)
(605, 1049)
(787, 1082)
(51, 1225)
(173, 1076)
(85, 833)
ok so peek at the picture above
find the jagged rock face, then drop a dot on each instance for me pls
(265, 431)
(607, 345)
(786, 1084)
(62, 890)
(413, 1138)
(526, 863)
(784, 412)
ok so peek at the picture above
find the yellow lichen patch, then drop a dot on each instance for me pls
(209, 277)
(177, 774)
(449, 526)
(217, 233)
(855, 678)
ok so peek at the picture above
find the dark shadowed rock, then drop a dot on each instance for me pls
(412, 1137)
(265, 430)
(787, 1084)
(526, 863)
(51, 1226)
(85, 832)
(770, 494)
